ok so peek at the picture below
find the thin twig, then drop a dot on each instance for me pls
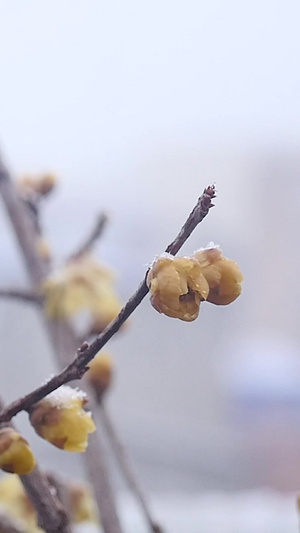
(23, 295)
(126, 468)
(77, 368)
(91, 239)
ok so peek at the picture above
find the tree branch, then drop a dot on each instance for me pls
(20, 294)
(91, 239)
(77, 368)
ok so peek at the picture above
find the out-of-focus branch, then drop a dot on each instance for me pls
(50, 512)
(64, 342)
(91, 239)
(20, 294)
(77, 368)
(126, 468)
(23, 226)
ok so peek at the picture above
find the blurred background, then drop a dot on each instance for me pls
(137, 107)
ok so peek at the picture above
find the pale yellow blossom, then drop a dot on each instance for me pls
(37, 184)
(43, 249)
(82, 285)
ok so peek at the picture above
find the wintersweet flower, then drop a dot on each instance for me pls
(177, 286)
(82, 286)
(100, 373)
(60, 419)
(37, 185)
(16, 456)
(222, 274)
(105, 310)
(82, 503)
(43, 249)
(46, 183)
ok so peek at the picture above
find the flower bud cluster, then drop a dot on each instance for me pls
(179, 284)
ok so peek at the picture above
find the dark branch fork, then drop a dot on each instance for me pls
(77, 368)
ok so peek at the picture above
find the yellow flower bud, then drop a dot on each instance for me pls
(60, 419)
(46, 184)
(100, 373)
(82, 504)
(222, 274)
(177, 286)
(43, 250)
(16, 456)
(25, 183)
(39, 184)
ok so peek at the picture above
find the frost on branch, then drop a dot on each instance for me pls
(61, 420)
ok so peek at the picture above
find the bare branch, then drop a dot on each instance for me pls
(20, 294)
(50, 512)
(77, 368)
(91, 239)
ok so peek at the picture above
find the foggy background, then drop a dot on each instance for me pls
(138, 106)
